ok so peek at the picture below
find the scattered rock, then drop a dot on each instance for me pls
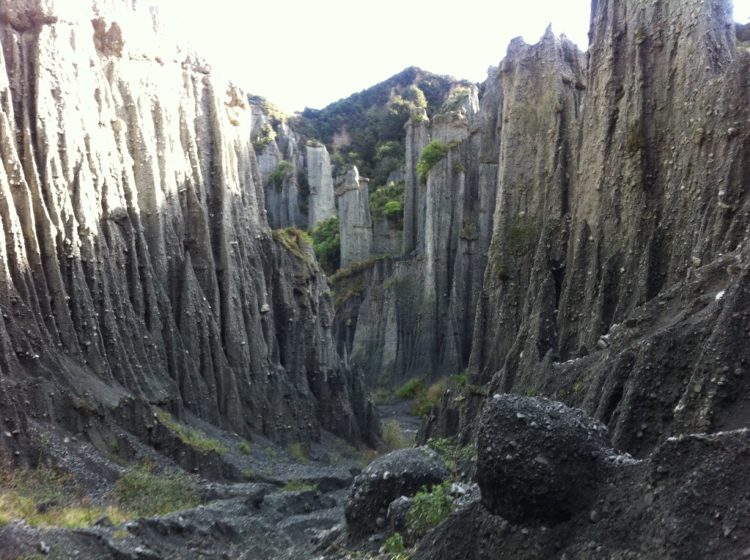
(400, 473)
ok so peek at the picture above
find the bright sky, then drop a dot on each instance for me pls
(301, 53)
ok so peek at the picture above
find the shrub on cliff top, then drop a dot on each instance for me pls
(432, 153)
(326, 241)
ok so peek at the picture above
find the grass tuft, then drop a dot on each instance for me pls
(190, 436)
(298, 486)
(394, 436)
(145, 492)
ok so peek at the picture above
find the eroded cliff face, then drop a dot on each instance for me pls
(617, 271)
(136, 261)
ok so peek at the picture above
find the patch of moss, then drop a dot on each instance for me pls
(353, 269)
(298, 452)
(190, 436)
(298, 486)
(295, 241)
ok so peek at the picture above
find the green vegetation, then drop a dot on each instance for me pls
(459, 379)
(298, 486)
(393, 436)
(276, 115)
(47, 497)
(411, 389)
(429, 398)
(264, 137)
(280, 174)
(456, 99)
(456, 457)
(190, 436)
(394, 545)
(388, 201)
(245, 448)
(296, 241)
(431, 154)
(429, 509)
(326, 241)
(520, 236)
(349, 271)
(298, 452)
(374, 120)
(146, 492)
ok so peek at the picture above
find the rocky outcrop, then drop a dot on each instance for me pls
(136, 261)
(353, 197)
(686, 499)
(322, 202)
(399, 473)
(415, 314)
(617, 266)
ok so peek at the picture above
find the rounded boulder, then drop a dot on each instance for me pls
(538, 460)
(399, 473)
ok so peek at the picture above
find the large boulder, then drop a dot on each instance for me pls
(400, 473)
(538, 460)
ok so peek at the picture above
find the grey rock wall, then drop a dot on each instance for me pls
(322, 202)
(355, 224)
(136, 261)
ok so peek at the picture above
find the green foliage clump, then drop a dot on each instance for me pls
(388, 200)
(245, 448)
(429, 509)
(326, 241)
(432, 153)
(520, 236)
(456, 99)
(147, 492)
(190, 436)
(265, 135)
(279, 175)
(394, 436)
(456, 457)
(394, 545)
(411, 389)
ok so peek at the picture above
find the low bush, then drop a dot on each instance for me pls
(431, 154)
(326, 241)
(411, 389)
(429, 509)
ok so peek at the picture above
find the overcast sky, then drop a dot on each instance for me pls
(301, 53)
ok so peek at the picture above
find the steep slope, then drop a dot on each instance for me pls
(137, 264)
(617, 272)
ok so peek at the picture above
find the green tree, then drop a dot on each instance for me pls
(327, 244)
(432, 153)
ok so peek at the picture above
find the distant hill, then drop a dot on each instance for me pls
(367, 128)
